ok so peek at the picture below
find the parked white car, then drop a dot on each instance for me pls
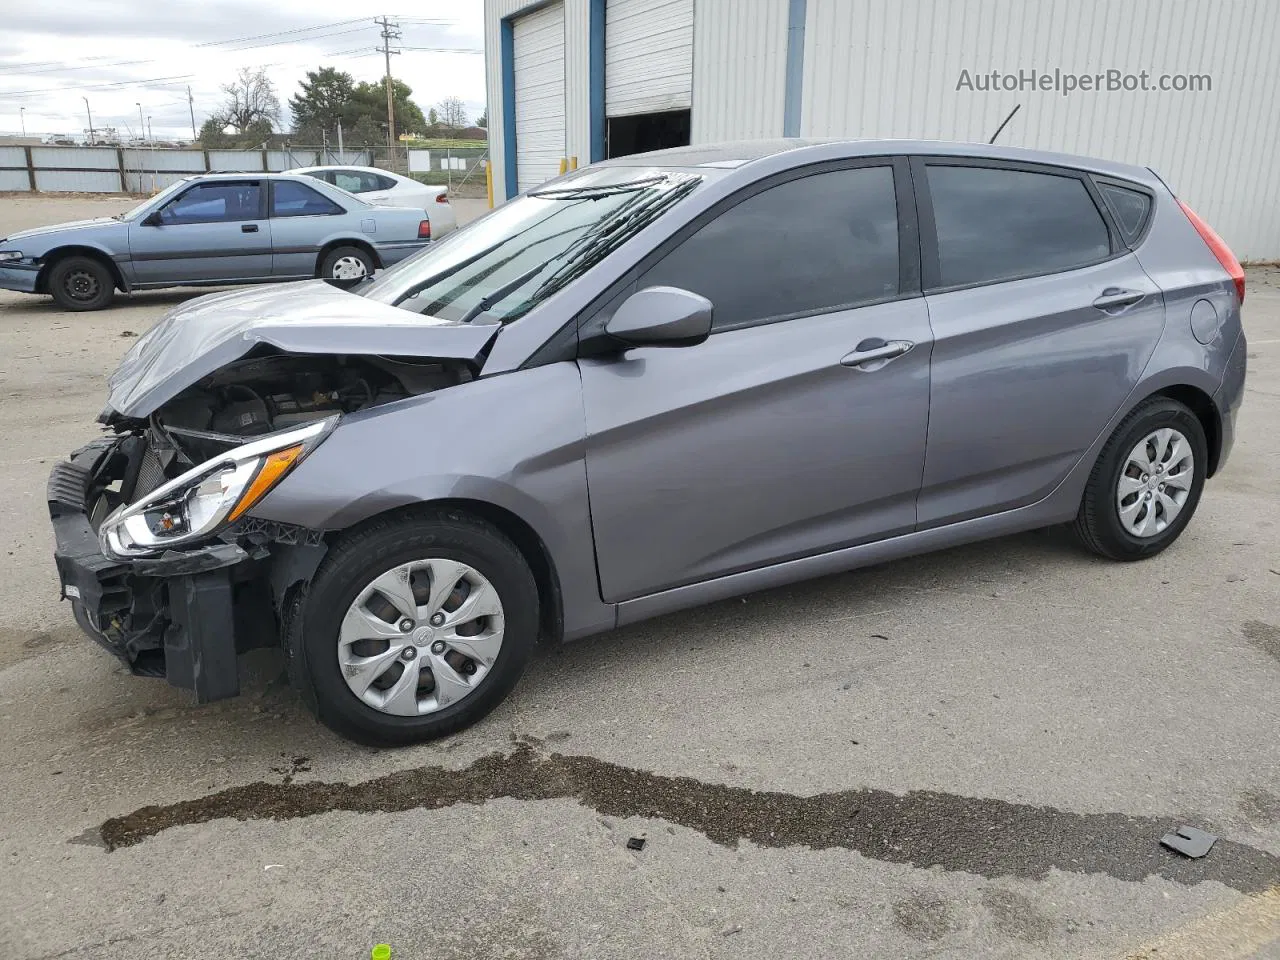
(384, 188)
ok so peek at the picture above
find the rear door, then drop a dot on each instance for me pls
(798, 427)
(213, 230)
(1043, 322)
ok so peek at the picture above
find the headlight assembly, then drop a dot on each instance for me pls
(219, 491)
(10, 255)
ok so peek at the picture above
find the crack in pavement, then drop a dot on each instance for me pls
(984, 836)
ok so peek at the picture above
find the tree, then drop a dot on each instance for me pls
(370, 101)
(326, 98)
(251, 103)
(482, 121)
(433, 118)
(452, 112)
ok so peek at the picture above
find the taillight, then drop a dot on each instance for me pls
(1219, 248)
(424, 230)
(442, 198)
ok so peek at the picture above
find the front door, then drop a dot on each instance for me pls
(1043, 323)
(799, 426)
(213, 230)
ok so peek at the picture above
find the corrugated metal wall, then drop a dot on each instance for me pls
(739, 69)
(890, 68)
(16, 180)
(648, 56)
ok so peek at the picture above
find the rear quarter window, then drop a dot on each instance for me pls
(996, 224)
(1130, 208)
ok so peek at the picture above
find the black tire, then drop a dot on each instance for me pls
(367, 553)
(81, 283)
(330, 261)
(1097, 525)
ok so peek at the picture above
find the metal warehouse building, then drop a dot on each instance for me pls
(580, 80)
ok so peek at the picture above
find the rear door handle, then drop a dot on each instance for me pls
(874, 349)
(248, 228)
(1114, 298)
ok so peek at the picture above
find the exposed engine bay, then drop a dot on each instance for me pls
(267, 393)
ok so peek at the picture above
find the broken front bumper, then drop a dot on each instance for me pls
(183, 615)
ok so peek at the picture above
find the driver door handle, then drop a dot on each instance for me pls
(249, 228)
(874, 349)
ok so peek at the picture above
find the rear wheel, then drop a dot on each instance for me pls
(1146, 484)
(416, 628)
(346, 266)
(81, 283)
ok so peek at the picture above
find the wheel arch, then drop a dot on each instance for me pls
(50, 259)
(1201, 404)
(330, 245)
(519, 531)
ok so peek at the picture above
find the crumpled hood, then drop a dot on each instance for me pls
(309, 316)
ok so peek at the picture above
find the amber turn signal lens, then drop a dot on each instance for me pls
(274, 467)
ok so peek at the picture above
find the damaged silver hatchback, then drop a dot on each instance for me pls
(646, 385)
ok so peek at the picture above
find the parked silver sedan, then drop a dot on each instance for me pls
(213, 229)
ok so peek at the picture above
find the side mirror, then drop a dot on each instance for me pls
(661, 317)
(152, 219)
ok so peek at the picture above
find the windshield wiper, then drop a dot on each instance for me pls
(595, 248)
(592, 191)
(484, 303)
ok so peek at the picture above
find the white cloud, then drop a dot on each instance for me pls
(119, 53)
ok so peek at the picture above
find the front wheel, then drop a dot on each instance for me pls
(81, 283)
(416, 628)
(346, 266)
(1146, 484)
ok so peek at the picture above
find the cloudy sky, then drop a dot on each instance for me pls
(119, 53)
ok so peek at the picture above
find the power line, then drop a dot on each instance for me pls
(281, 33)
(94, 86)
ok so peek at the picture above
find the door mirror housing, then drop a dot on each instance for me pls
(152, 219)
(661, 317)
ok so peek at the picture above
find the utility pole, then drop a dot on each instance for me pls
(90, 113)
(390, 31)
(191, 105)
(341, 153)
(142, 124)
(22, 118)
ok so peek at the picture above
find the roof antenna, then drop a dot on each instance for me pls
(1005, 124)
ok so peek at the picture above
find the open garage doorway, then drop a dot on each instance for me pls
(641, 132)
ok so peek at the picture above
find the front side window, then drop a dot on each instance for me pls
(219, 202)
(290, 199)
(824, 242)
(997, 224)
(507, 262)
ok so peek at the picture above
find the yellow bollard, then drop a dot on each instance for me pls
(381, 952)
(564, 165)
(573, 163)
(488, 182)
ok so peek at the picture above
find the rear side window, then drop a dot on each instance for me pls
(356, 181)
(816, 244)
(384, 183)
(995, 224)
(292, 199)
(1131, 208)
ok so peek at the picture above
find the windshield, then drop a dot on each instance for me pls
(152, 202)
(506, 263)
